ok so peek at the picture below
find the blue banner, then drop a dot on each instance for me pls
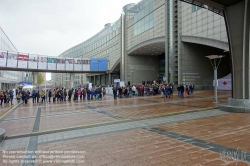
(94, 64)
(103, 62)
(25, 83)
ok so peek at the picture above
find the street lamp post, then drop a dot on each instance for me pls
(213, 59)
(45, 90)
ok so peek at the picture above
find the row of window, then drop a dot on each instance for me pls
(111, 49)
(102, 46)
(144, 11)
(97, 40)
(144, 24)
(103, 43)
(95, 49)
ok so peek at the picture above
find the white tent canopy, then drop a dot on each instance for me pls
(225, 83)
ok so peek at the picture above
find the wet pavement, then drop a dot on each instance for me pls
(147, 130)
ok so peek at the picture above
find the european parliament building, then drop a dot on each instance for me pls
(156, 40)
(8, 79)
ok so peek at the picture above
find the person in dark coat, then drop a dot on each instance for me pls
(182, 90)
(25, 97)
(120, 92)
(34, 96)
(115, 93)
(88, 94)
(50, 94)
(38, 96)
(1, 97)
(11, 96)
(70, 94)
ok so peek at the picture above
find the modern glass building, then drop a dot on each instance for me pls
(8, 79)
(153, 40)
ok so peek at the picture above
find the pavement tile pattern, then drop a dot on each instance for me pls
(231, 130)
(129, 131)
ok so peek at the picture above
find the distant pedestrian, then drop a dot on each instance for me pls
(11, 96)
(115, 93)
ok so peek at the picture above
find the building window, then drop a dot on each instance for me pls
(144, 19)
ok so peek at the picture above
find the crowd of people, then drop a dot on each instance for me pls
(96, 92)
(62, 94)
(150, 89)
(6, 97)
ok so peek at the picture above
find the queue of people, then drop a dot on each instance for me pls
(62, 94)
(165, 90)
(97, 92)
(6, 97)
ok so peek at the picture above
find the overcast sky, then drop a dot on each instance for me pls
(49, 27)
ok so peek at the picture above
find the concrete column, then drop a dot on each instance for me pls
(35, 77)
(237, 18)
(72, 75)
(215, 85)
(99, 79)
(123, 50)
(94, 80)
(180, 76)
(237, 24)
(166, 43)
(109, 79)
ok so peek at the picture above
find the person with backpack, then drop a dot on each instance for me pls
(38, 96)
(88, 94)
(34, 96)
(54, 95)
(120, 92)
(84, 93)
(182, 90)
(11, 96)
(25, 96)
(59, 95)
(18, 96)
(4, 96)
(92, 94)
(7, 97)
(70, 94)
(43, 96)
(167, 91)
(142, 90)
(76, 95)
(1, 97)
(64, 94)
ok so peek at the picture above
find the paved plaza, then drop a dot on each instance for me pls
(129, 131)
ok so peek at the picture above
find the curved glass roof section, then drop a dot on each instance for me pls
(93, 42)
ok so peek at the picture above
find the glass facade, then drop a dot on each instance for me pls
(100, 41)
(195, 8)
(8, 79)
(103, 44)
(144, 18)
